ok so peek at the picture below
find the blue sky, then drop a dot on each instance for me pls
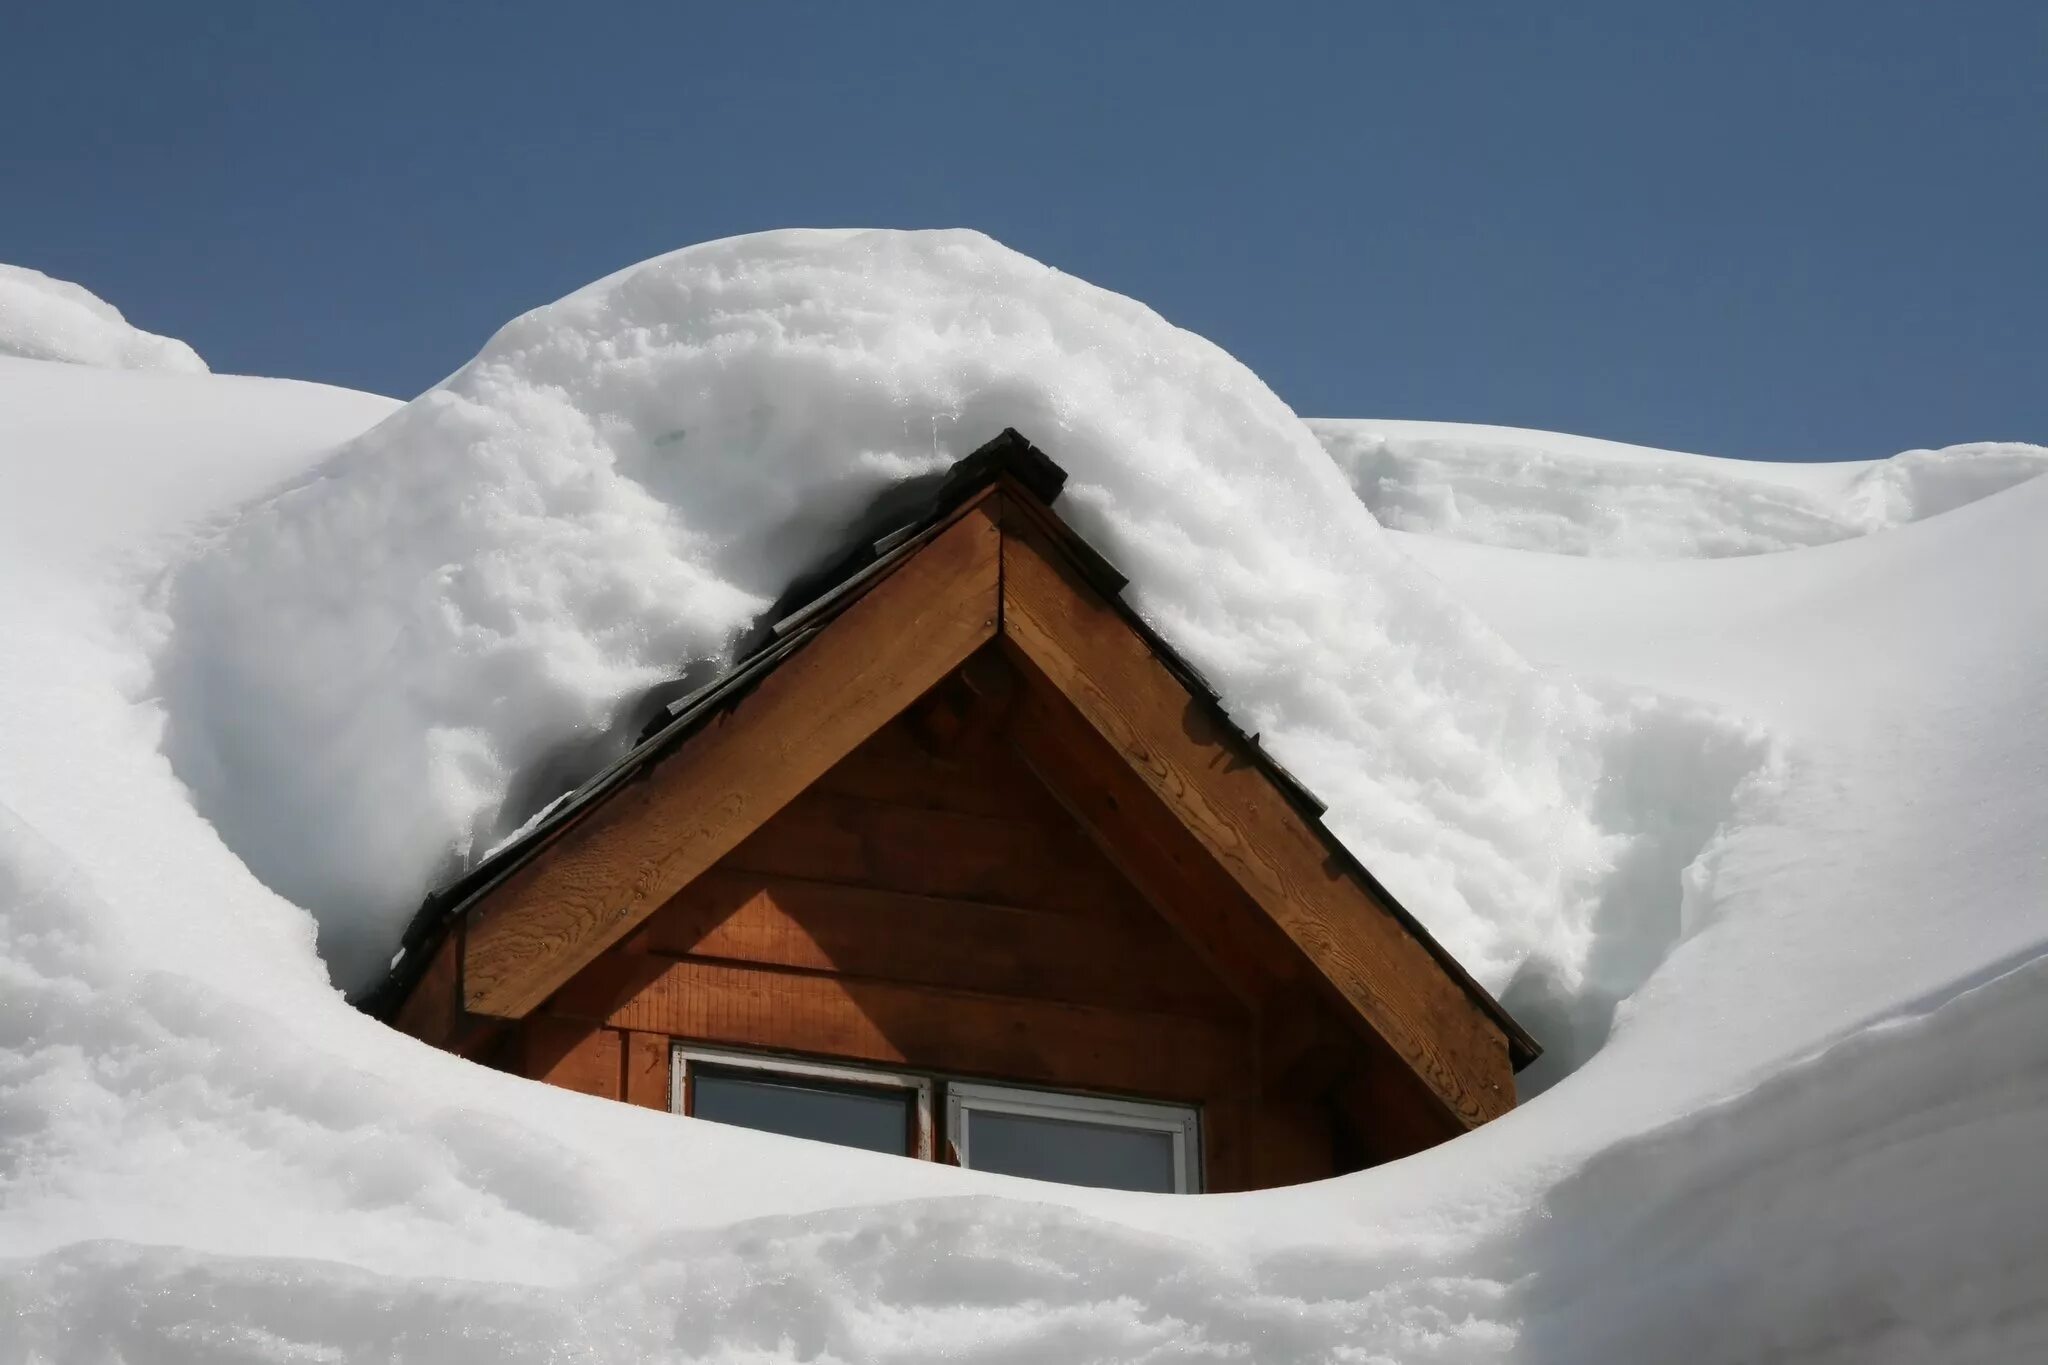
(1793, 230)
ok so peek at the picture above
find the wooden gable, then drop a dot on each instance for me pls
(973, 817)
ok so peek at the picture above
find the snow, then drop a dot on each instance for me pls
(1539, 490)
(42, 318)
(1756, 843)
(622, 481)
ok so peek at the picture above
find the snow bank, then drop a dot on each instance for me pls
(1902, 1150)
(624, 479)
(49, 319)
(1537, 490)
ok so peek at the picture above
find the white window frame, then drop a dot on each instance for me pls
(1181, 1122)
(682, 1055)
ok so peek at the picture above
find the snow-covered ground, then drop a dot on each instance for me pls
(1539, 490)
(1757, 844)
(49, 319)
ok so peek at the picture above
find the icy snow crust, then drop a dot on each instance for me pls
(1538, 490)
(42, 318)
(1812, 1132)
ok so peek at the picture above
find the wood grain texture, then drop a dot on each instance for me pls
(1046, 1042)
(432, 1012)
(647, 1070)
(926, 940)
(574, 1055)
(1002, 859)
(1203, 774)
(896, 766)
(1258, 1145)
(634, 850)
(1150, 848)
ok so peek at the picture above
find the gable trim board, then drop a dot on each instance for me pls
(989, 580)
(651, 838)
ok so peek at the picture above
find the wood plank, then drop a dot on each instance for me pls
(1292, 1144)
(980, 777)
(1210, 781)
(573, 1054)
(647, 1070)
(432, 1012)
(1303, 1050)
(1255, 1144)
(633, 851)
(999, 860)
(1225, 1144)
(1386, 1112)
(1151, 849)
(885, 935)
(1073, 1046)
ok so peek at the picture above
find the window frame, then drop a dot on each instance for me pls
(681, 1092)
(1180, 1122)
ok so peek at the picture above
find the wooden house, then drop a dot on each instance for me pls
(964, 862)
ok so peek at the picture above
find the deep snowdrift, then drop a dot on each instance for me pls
(1812, 1133)
(623, 480)
(1538, 490)
(50, 319)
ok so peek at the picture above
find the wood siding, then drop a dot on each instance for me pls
(929, 904)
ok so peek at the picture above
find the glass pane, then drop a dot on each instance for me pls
(1070, 1150)
(878, 1120)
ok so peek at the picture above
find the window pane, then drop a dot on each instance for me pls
(1078, 1153)
(878, 1120)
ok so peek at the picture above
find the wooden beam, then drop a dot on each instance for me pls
(895, 768)
(433, 1011)
(624, 859)
(647, 1070)
(1395, 989)
(1076, 1046)
(928, 940)
(1152, 850)
(822, 836)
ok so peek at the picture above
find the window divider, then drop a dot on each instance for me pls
(1181, 1123)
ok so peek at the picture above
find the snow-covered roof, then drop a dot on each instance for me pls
(886, 537)
(1767, 831)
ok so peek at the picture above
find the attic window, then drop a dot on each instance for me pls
(852, 1106)
(1040, 1134)
(1074, 1139)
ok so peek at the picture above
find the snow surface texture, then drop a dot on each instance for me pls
(49, 319)
(1812, 1133)
(1538, 490)
(624, 480)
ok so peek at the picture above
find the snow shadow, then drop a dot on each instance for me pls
(1672, 775)
(354, 801)
(1574, 495)
(1880, 1200)
(971, 1279)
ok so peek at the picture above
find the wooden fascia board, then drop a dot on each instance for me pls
(609, 871)
(1389, 981)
